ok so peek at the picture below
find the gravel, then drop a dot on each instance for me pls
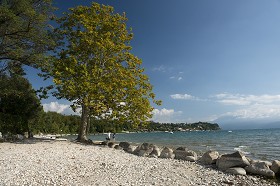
(67, 163)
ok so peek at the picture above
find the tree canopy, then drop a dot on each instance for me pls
(25, 35)
(18, 104)
(97, 71)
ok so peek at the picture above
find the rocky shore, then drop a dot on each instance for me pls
(66, 163)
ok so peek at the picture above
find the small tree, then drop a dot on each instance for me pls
(96, 70)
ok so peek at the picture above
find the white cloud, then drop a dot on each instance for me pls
(55, 107)
(161, 68)
(239, 99)
(250, 106)
(180, 78)
(165, 115)
(257, 111)
(182, 96)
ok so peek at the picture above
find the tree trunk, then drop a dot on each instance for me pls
(88, 125)
(82, 137)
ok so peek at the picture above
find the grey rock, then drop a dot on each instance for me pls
(130, 149)
(124, 145)
(260, 168)
(155, 152)
(153, 156)
(209, 157)
(137, 149)
(268, 163)
(236, 159)
(236, 171)
(182, 153)
(147, 149)
(118, 147)
(191, 158)
(275, 167)
(104, 143)
(144, 153)
(111, 144)
(167, 153)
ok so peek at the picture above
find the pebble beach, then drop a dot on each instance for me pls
(67, 163)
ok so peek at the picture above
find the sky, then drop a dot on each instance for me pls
(212, 61)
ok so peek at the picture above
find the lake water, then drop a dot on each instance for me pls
(257, 144)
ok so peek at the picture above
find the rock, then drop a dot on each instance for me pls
(209, 157)
(146, 149)
(182, 153)
(153, 156)
(118, 147)
(124, 145)
(236, 159)
(275, 167)
(260, 168)
(191, 158)
(19, 137)
(136, 151)
(167, 153)
(111, 144)
(155, 152)
(236, 171)
(89, 142)
(104, 143)
(268, 163)
(130, 149)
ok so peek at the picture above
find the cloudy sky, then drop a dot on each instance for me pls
(207, 60)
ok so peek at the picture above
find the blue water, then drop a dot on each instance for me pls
(261, 144)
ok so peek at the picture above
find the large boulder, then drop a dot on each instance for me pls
(236, 159)
(275, 167)
(167, 153)
(209, 157)
(236, 171)
(155, 153)
(130, 149)
(124, 145)
(260, 168)
(182, 153)
(146, 149)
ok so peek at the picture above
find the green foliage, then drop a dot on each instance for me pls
(96, 70)
(25, 35)
(18, 104)
(55, 123)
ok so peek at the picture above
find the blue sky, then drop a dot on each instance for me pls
(214, 61)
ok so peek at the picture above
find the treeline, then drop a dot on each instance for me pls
(55, 123)
(154, 126)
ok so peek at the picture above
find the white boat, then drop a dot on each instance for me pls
(229, 131)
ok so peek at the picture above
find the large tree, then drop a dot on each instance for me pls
(97, 71)
(25, 35)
